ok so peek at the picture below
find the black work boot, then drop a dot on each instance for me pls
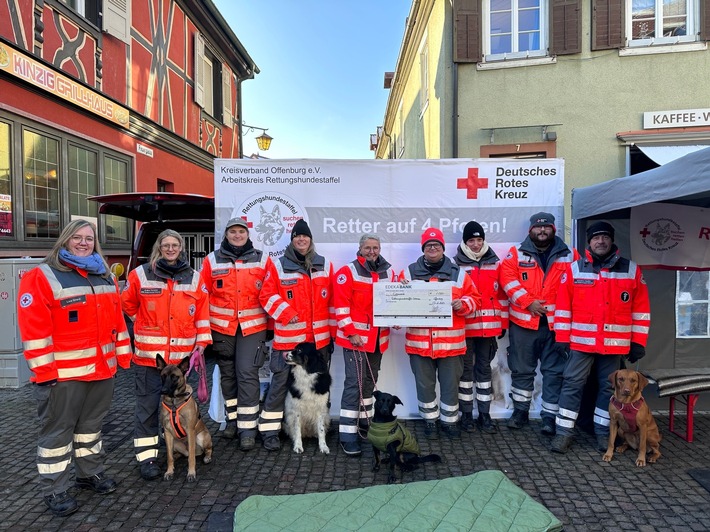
(519, 419)
(561, 443)
(230, 431)
(431, 430)
(150, 470)
(467, 423)
(99, 483)
(61, 504)
(450, 430)
(486, 424)
(548, 426)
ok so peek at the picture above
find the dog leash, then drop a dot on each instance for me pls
(197, 361)
(358, 355)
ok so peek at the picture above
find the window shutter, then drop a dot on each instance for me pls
(704, 21)
(566, 27)
(608, 24)
(117, 19)
(199, 70)
(226, 96)
(467, 31)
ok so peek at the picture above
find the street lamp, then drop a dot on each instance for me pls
(263, 141)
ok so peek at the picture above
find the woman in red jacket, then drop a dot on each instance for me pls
(297, 294)
(234, 274)
(168, 304)
(74, 337)
(481, 263)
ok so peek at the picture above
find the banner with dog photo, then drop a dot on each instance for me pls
(397, 200)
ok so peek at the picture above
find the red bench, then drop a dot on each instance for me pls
(685, 385)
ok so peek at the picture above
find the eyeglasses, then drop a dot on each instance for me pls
(169, 246)
(433, 246)
(76, 239)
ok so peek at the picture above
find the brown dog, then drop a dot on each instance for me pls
(631, 418)
(181, 420)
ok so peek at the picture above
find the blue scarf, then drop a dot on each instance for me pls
(91, 264)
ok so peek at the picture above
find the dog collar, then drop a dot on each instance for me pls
(618, 404)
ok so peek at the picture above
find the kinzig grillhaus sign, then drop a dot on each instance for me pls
(28, 69)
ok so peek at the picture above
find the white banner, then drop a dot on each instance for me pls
(396, 199)
(670, 235)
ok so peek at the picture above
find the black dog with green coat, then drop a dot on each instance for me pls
(388, 435)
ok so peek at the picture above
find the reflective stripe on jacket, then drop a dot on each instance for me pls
(71, 325)
(234, 288)
(492, 316)
(352, 292)
(524, 281)
(603, 312)
(171, 316)
(288, 291)
(439, 342)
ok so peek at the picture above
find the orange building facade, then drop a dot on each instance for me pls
(109, 96)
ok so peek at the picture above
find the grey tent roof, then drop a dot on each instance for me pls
(685, 180)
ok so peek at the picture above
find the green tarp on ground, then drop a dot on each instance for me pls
(486, 501)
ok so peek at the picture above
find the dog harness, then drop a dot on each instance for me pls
(174, 413)
(628, 410)
(382, 434)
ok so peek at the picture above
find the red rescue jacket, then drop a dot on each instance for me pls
(353, 304)
(492, 316)
(603, 311)
(71, 324)
(234, 286)
(290, 291)
(439, 342)
(170, 315)
(524, 281)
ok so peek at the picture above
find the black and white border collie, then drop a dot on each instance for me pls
(306, 412)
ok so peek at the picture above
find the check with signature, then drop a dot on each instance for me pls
(412, 305)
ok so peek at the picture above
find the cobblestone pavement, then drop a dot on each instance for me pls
(584, 492)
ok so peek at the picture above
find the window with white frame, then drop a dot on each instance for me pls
(515, 29)
(693, 304)
(662, 21)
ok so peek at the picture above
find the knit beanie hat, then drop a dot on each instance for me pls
(541, 219)
(301, 228)
(473, 230)
(600, 228)
(433, 234)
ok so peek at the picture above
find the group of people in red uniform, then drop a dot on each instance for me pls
(74, 334)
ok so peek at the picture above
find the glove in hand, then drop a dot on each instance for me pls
(563, 348)
(636, 353)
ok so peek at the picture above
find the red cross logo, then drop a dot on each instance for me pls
(645, 232)
(472, 183)
(250, 225)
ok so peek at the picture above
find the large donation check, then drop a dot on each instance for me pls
(412, 305)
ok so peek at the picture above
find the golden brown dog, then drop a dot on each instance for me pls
(631, 418)
(180, 418)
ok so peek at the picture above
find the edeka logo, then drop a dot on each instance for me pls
(273, 215)
(661, 234)
(472, 183)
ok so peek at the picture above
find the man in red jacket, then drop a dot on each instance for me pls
(602, 313)
(530, 275)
